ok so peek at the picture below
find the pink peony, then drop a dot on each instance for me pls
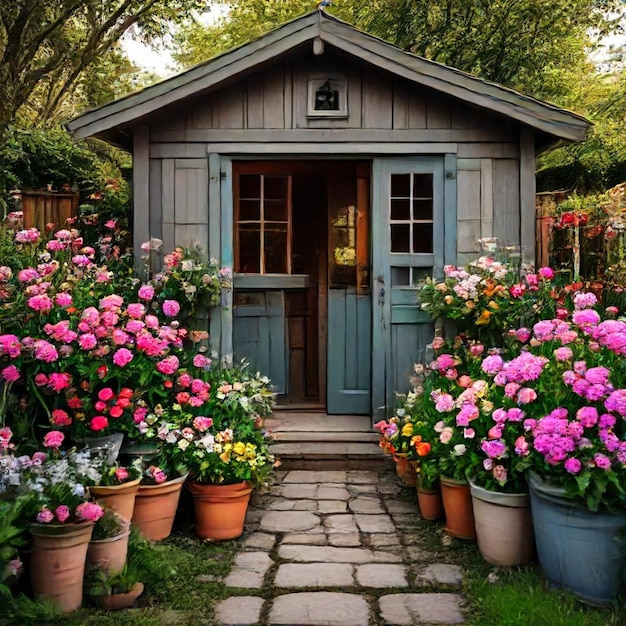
(444, 403)
(202, 423)
(136, 310)
(121, 474)
(89, 511)
(168, 365)
(41, 303)
(11, 374)
(547, 273)
(171, 308)
(105, 394)
(60, 418)
(199, 360)
(53, 439)
(563, 354)
(526, 395)
(45, 516)
(492, 364)
(123, 357)
(602, 461)
(62, 513)
(100, 422)
(111, 302)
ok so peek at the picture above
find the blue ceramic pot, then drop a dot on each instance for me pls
(578, 549)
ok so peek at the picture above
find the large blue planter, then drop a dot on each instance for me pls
(578, 550)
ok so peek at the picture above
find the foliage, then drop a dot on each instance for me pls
(13, 536)
(488, 297)
(109, 525)
(45, 45)
(214, 430)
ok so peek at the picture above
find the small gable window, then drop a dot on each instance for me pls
(328, 96)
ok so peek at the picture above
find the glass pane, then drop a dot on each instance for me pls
(422, 238)
(249, 249)
(400, 238)
(250, 186)
(422, 185)
(249, 210)
(400, 185)
(420, 274)
(422, 209)
(276, 248)
(400, 209)
(275, 187)
(275, 210)
(400, 276)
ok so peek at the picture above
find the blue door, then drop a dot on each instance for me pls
(348, 387)
(407, 245)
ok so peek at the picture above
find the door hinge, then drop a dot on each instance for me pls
(222, 175)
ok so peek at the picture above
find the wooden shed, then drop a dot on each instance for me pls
(332, 171)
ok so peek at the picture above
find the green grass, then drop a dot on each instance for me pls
(523, 598)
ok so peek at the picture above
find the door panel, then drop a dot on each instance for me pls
(349, 351)
(259, 334)
(408, 245)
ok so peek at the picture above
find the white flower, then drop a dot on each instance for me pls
(78, 490)
(459, 450)
(183, 444)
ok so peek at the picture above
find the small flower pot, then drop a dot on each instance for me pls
(108, 554)
(120, 498)
(457, 504)
(429, 502)
(117, 601)
(405, 469)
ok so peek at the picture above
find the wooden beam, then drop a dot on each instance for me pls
(362, 229)
(527, 184)
(141, 191)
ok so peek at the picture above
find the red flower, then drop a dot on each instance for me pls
(74, 403)
(168, 384)
(116, 411)
(100, 406)
(102, 371)
(125, 393)
(123, 402)
(105, 394)
(100, 422)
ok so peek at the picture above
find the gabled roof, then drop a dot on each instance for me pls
(544, 117)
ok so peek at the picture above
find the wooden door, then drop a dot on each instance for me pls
(349, 300)
(408, 245)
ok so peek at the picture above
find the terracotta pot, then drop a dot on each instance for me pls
(108, 554)
(457, 504)
(120, 498)
(405, 469)
(155, 508)
(57, 563)
(504, 526)
(220, 509)
(117, 601)
(430, 502)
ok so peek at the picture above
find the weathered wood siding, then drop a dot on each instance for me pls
(266, 114)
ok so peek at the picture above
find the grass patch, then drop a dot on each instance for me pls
(523, 597)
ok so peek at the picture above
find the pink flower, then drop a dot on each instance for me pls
(121, 474)
(11, 374)
(587, 416)
(598, 375)
(572, 465)
(105, 394)
(136, 310)
(168, 365)
(517, 291)
(492, 364)
(171, 308)
(60, 418)
(202, 423)
(111, 302)
(123, 357)
(199, 360)
(446, 435)
(602, 461)
(585, 300)
(53, 439)
(62, 513)
(526, 395)
(476, 349)
(146, 292)
(89, 511)
(547, 273)
(10, 345)
(445, 403)
(563, 354)
(134, 326)
(521, 446)
(151, 321)
(45, 516)
(28, 275)
(523, 334)
(41, 303)
(586, 318)
(157, 474)
(616, 402)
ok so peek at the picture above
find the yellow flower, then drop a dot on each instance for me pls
(484, 317)
(407, 430)
(239, 448)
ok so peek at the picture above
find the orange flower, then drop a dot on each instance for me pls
(422, 448)
(484, 317)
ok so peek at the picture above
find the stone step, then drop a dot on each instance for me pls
(340, 437)
(312, 455)
(317, 422)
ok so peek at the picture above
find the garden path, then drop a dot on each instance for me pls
(338, 548)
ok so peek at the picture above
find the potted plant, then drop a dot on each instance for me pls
(62, 522)
(109, 543)
(218, 439)
(114, 591)
(118, 488)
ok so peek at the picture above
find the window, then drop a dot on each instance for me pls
(263, 224)
(328, 96)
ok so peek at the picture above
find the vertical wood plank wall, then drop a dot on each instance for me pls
(271, 107)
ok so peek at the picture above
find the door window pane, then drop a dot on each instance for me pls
(400, 209)
(400, 238)
(250, 186)
(422, 209)
(422, 185)
(275, 248)
(400, 185)
(249, 210)
(422, 238)
(249, 248)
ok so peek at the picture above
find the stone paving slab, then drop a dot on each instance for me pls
(340, 524)
(402, 609)
(332, 506)
(261, 541)
(374, 523)
(249, 570)
(305, 476)
(362, 477)
(364, 504)
(329, 554)
(320, 608)
(289, 521)
(381, 575)
(239, 610)
(310, 539)
(442, 574)
(305, 575)
(345, 540)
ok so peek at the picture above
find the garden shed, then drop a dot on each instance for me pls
(331, 171)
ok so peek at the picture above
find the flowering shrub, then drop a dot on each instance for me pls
(79, 351)
(488, 297)
(552, 400)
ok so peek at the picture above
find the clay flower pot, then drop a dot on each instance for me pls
(57, 563)
(117, 601)
(155, 508)
(120, 498)
(109, 554)
(457, 504)
(430, 502)
(220, 509)
(405, 469)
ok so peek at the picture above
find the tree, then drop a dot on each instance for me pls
(46, 45)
